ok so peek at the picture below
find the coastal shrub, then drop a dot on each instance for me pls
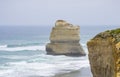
(110, 33)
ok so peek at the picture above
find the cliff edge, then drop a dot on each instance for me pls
(104, 54)
(64, 40)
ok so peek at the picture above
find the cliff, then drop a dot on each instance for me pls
(64, 40)
(104, 54)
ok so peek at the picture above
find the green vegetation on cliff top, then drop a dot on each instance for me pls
(115, 31)
(110, 33)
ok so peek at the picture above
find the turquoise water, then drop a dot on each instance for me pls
(22, 52)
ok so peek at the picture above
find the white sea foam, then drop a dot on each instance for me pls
(5, 48)
(55, 65)
(39, 65)
(15, 57)
(84, 45)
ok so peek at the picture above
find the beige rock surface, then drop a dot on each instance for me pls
(64, 40)
(104, 54)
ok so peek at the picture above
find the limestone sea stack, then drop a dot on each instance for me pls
(104, 54)
(64, 40)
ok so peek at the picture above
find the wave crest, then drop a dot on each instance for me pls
(36, 47)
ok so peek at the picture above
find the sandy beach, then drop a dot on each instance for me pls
(84, 72)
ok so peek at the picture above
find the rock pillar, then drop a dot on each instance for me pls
(64, 40)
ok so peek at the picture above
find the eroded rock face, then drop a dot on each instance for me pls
(104, 54)
(64, 40)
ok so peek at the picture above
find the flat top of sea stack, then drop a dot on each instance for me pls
(63, 23)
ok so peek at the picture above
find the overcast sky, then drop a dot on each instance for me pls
(46, 12)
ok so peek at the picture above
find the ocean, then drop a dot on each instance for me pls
(22, 52)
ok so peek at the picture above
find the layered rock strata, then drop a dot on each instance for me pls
(64, 40)
(104, 54)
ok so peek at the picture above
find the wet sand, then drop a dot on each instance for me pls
(83, 72)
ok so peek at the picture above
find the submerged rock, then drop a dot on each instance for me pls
(64, 40)
(104, 54)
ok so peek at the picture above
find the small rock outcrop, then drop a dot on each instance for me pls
(104, 54)
(64, 40)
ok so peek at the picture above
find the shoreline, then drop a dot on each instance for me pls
(83, 72)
